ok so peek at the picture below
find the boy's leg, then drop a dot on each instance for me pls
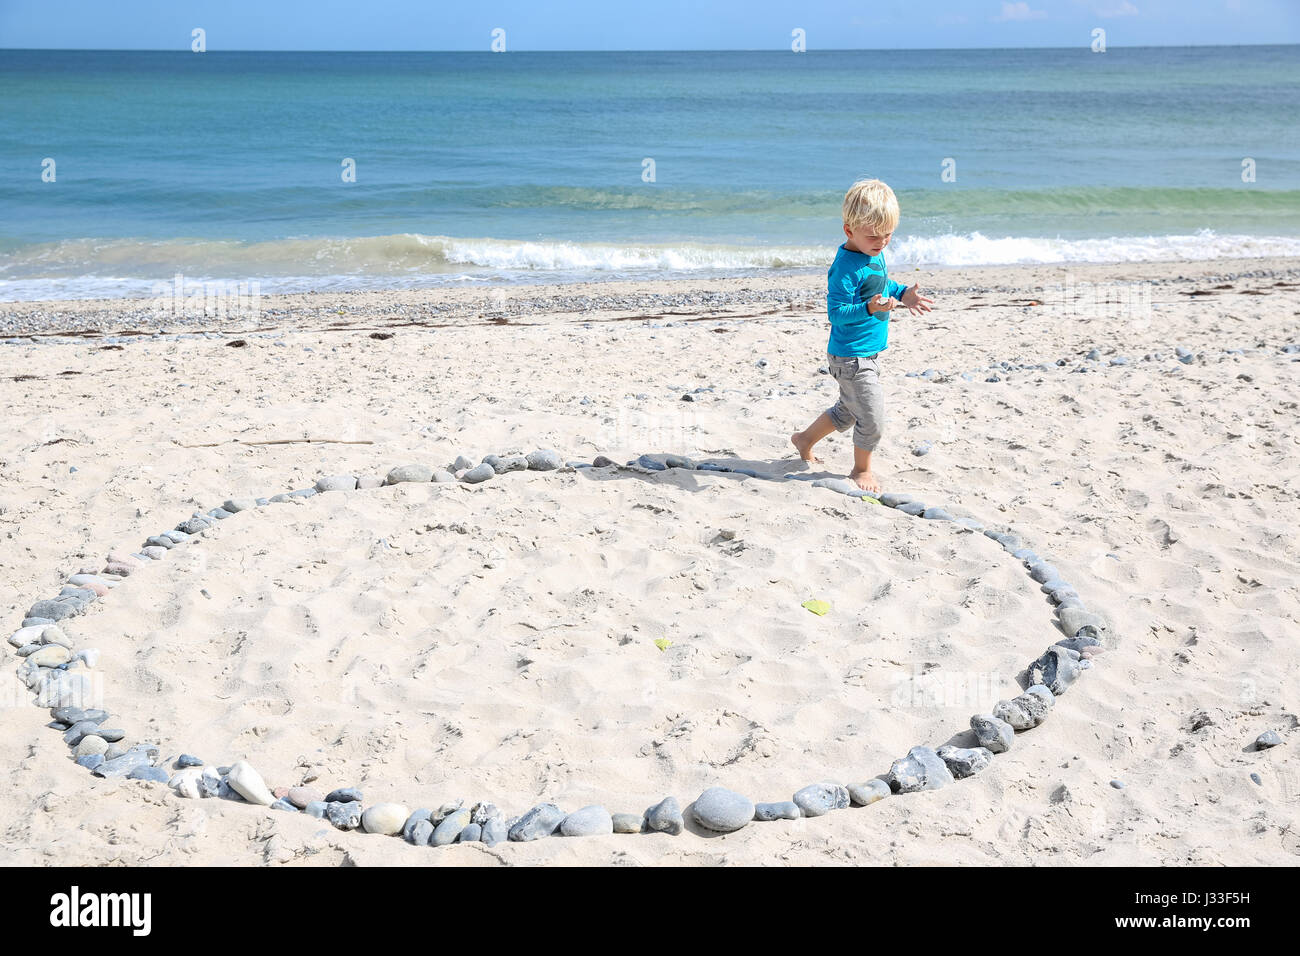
(811, 435)
(869, 406)
(861, 473)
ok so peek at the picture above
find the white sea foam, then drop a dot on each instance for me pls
(79, 269)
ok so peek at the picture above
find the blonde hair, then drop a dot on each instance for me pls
(870, 202)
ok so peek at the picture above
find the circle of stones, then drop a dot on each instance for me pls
(64, 680)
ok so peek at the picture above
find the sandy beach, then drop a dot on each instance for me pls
(440, 642)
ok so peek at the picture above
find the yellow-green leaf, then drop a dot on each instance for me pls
(817, 607)
(663, 643)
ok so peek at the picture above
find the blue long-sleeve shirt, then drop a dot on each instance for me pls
(853, 279)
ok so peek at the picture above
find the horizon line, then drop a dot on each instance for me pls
(1081, 46)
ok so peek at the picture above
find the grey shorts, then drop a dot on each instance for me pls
(861, 405)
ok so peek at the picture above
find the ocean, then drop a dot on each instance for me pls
(560, 167)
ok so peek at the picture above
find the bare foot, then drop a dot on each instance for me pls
(865, 480)
(805, 448)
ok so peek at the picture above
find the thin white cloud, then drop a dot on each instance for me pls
(1108, 9)
(1018, 11)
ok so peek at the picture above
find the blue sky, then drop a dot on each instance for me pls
(639, 24)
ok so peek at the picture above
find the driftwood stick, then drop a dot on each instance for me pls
(281, 441)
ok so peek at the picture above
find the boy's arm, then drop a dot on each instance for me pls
(844, 307)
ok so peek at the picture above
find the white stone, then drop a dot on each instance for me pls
(248, 783)
(51, 655)
(53, 634)
(90, 655)
(27, 635)
(384, 818)
(91, 744)
(186, 782)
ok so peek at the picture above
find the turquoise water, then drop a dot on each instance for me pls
(528, 167)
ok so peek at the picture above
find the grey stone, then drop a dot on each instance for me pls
(477, 474)
(1267, 739)
(408, 828)
(236, 505)
(922, 449)
(1056, 669)
(196, 524)
(284, 804)
(541, 821)
(421, 833)
(722, 810)
(442, 477)
(600, 461)
(1117, 784)
(965, 762)
(461, 463)
(1041, 571)
(187, 760)
(494, 461)
(123, 765)
(221, 514)
(665, 817)
(650, 463)
(819, 798)
(627, 822)
(54, 610)
(840, 485)
(1073, 619)
(783, 810)
(1023, 712)
(1077, 644)
(865, 794)
(544, 459)
(994, 734)
(445, 810)
(936, 514)
(111, 734)
(73, 735)
(450, 826)
(495, 830)
(472, 833)
(90, 761)
(336, 483)
(1257, 778)
(913, 508)
(588, 821)
(367, 481)
(404, 473)
(483, 812)
(345, 816)
(317, 809)
(158, 541)
(921, 769)
(679, 461)
(151, 774)
(344, 795)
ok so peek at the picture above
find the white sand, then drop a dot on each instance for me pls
(500, 644)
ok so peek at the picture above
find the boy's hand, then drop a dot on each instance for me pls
(915, 302)
(877, 304)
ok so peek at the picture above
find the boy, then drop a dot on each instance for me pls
(859, 318)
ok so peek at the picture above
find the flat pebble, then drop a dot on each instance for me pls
(588, 821)
(784, 810)
(336, 483)
(345, 816)
(344, 795)
(865, 794)
(819, 798)
(187, 760)
(722, 810)
(544, 459)
(1267, 739)
(151, 774)
(921, 769)
(541, 821)
(404, 473)
(627, 822)
(384, 818)
(965, 762)
(448, 829)
(301, 796)
(477, 474)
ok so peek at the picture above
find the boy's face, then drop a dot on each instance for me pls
(867, 239)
